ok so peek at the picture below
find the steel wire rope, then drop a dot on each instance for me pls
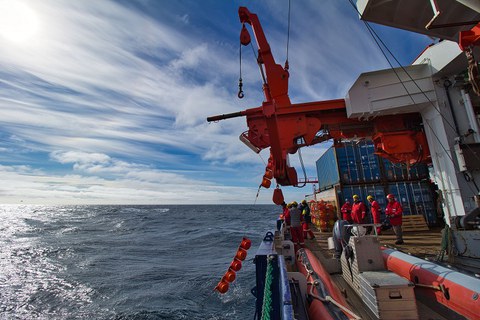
(259, 64)
(361, 160)
(300, 158)
(264, 82)
(453, 127)
(377, 38)
(288, 36)
(241, 95)
(260, 186)
(240, 81)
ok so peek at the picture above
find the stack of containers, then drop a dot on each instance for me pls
(354, 168)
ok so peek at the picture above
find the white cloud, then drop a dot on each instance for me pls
(117, 101)
(80, 157)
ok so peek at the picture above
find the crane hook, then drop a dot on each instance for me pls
(240, 91)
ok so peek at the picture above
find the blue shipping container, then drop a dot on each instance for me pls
(327, 170)
(363, 191)
(399, 172)
(356, 163)
(347, 162)
(415, 197)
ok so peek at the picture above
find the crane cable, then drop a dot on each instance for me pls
(260, 186)
(288, 36)
(286, 68)
(303, 168)
(240, 84)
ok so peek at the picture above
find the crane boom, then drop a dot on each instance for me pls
(285, 127)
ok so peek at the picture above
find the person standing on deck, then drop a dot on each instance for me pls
(307, 220)
(376, 210)
(294, 219)
(394, 211)
(359, 210)
(347, 211)
(281, 218)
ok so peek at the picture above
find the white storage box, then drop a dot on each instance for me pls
(367, 256)
(388, 295)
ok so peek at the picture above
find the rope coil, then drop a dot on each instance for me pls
(267, 292)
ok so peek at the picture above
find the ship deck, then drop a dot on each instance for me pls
(423, 244)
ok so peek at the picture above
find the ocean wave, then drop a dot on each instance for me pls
(126, 262)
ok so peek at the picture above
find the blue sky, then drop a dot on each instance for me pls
(104, 102)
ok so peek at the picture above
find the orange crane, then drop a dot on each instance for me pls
(285, 127)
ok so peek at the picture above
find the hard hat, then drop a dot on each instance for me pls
(294, 203)
(355, 196)
(390, 196)
(369, 198)
(304, 201)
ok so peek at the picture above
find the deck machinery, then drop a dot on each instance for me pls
(441, 85)
(425, 112)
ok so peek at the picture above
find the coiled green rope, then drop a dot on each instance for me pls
(267, 292)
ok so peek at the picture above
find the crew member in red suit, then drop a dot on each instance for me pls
(347, 211)
(294, 219)
(376, 210)
(359, 210)
(394, 211)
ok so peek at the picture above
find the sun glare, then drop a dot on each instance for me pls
(18, 22)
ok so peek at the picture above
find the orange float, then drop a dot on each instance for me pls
(278, 198)
(222, 287)
(246, 244)
(235, 265)
(229, 276)
(241, 254)
(266, 183)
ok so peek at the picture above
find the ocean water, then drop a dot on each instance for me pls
(127, 262)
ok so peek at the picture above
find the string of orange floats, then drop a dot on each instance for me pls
(235, 266)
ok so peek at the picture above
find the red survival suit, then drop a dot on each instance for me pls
(376, 210)
(346, 211)
(394, 211)
(359, 210)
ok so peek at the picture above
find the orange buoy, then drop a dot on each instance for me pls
(278, 196)
(266, 183)
(236, 265)
(246, 244)
(241, 254)
(229, 276)
(268, 174)
(222, 287)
